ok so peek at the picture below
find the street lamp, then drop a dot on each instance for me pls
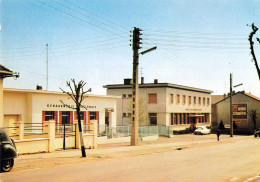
(231, 109)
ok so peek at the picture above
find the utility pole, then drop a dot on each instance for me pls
(231, 110)
(135, 88)
(46, 66)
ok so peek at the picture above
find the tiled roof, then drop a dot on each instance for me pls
(253, 96)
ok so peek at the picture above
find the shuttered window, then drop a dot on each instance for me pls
(152, 98)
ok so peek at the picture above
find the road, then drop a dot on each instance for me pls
(235, 161)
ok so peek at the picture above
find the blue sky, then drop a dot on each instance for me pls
(199, 42)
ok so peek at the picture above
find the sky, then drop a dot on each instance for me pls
(199, 43)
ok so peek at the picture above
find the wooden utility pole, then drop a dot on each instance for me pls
(135, 88)
(231, 110)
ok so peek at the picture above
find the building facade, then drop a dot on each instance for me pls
(163, 104)
(36, 106)
(242, 103)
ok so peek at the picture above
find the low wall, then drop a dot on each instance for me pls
(32, 145)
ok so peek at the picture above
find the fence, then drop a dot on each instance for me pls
(125, 131)
(47, 136)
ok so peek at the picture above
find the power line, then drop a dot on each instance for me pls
(79, 18)
(87, 16)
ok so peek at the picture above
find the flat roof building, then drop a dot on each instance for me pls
(163, 103)
(36, 106)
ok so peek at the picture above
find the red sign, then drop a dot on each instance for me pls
(239, 111)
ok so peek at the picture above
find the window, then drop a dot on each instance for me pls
(208, 101)
(178, 99)
(152, 98)
(199, 100)
(124, 114)
(129, 95)
(171, 99)
(92, 116)
(189, 100)
(124, 95)
(65, 117)
(49, 115)
(153, 118)
(204, 101)
(184, 99)
(175, 119)
(194, 100)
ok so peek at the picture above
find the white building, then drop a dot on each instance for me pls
(163, 103)
(35, 106)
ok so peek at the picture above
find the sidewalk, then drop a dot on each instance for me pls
(119, 150)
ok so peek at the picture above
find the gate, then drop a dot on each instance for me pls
(68, 133)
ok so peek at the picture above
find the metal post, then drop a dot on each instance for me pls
(231, 111)
(64, 136)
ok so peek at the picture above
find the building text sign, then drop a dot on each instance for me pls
(239, 111)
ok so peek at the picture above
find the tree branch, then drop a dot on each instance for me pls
(67, 105)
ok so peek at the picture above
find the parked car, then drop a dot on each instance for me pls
(202, 130)
(8, 152)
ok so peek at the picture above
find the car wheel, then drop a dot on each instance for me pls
(7, 165)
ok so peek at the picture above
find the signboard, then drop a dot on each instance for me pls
(239, 111)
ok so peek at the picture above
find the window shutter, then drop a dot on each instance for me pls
(60, 117)
(55, 116)
(152, 98)
(71, 117)
(43, 116)
(97, 117)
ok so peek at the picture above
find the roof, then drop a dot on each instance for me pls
(216, 98)
(5, 72)
(15, 90)
(244, 93)
(158, 85)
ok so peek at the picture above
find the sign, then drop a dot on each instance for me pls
(239, 111)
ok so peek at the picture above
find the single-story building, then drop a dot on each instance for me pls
(36, 106)
(242, 104)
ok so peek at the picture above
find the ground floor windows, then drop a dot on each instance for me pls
(153, 118)
(93, 115)
(188, 118)
(49, 115)
(66, 117)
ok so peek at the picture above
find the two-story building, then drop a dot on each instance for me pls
(163, 103)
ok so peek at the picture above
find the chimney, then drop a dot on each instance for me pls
(38, 87)
(155, 81)
(142, 80)
(127, 81)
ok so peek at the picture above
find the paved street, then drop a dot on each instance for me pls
(188, 158)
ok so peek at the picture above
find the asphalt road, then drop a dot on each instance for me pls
(236, 161)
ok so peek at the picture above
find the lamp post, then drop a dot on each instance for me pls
(231, 108)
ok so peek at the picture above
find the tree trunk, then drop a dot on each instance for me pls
(83, 152)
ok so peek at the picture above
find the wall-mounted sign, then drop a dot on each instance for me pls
(239, 111)
(68, 106)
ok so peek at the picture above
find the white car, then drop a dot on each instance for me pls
(202, 130)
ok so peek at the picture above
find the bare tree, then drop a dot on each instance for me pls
(142, 112)
(252, 113)
(250, 38)
(77, 95)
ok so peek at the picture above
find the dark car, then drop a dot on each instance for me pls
(7, 151)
